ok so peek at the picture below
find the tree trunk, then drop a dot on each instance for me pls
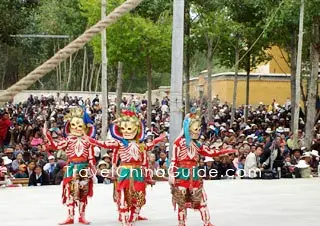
(84, 68)
(70, 73)
(235, 86)
(93, 68)
(188, 56)
(119, 86)
(248, 67)
(4, 66)
(149, 85)
(293, 68)
(312, 94)
(97, 79)
(209, 68)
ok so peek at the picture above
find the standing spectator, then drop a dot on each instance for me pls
(39, 177)
(5, 124)
(252, 164)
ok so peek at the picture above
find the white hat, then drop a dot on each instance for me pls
(269, 130)
(101, 163)
(167, 124)
(230, 131)
(6, 160)
(211, 127)
(314, 153)
(242, 135)
(209, 159)
(279, 130)
(223, 124)
(223, 129)
(217, 124)
(105, 155)
(302, 164)
(247, 128)
(153, 112)
(261, 103)
(286, 130)
(52, 119)
(306, 155)
(51, 157)
(149, 134)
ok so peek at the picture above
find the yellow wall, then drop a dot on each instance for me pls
(261, 90)
(278, 63)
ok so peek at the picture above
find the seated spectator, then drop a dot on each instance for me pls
(252, 164)
(58, 173)
(17, 162)
(21, 172)
(101, 173)
(153, 164)
(18, 150)
(30, 168)
(39, 177)
(36, 140)
(50, 167)
(226, 168)
(163, 161)
(211, 169)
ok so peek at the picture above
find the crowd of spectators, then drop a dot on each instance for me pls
(263, 144)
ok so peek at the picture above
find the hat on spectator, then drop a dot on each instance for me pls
(315, 153)
(106, 155)
(217, 124)
(211, 127)
(230, 131)
(6, 160)
(223, 124)
(279, 130)
(302, 164)
(149, 134)
(222, 129)
(247, 128)
(51, 157)
(269, 131)
(306, 155)
(102, 163)
(286, 130)
(242, 135)
(208, 159)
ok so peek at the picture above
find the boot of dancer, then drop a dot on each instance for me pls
(134, 214)
(182, 216)
(70, 219)
(205, 215)
(124, 216)
(82, 213)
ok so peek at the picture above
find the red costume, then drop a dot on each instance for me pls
(186, 182)
(77, 183)
(133, 175)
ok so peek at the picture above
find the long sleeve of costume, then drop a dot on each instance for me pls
(60, 145)
(156, 141)
(206, 151)
(109, 144)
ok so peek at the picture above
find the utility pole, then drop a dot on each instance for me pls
(235, 86)
(104, 78)
(176, 90)
(298, 78)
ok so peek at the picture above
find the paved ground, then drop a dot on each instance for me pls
(231, 203)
